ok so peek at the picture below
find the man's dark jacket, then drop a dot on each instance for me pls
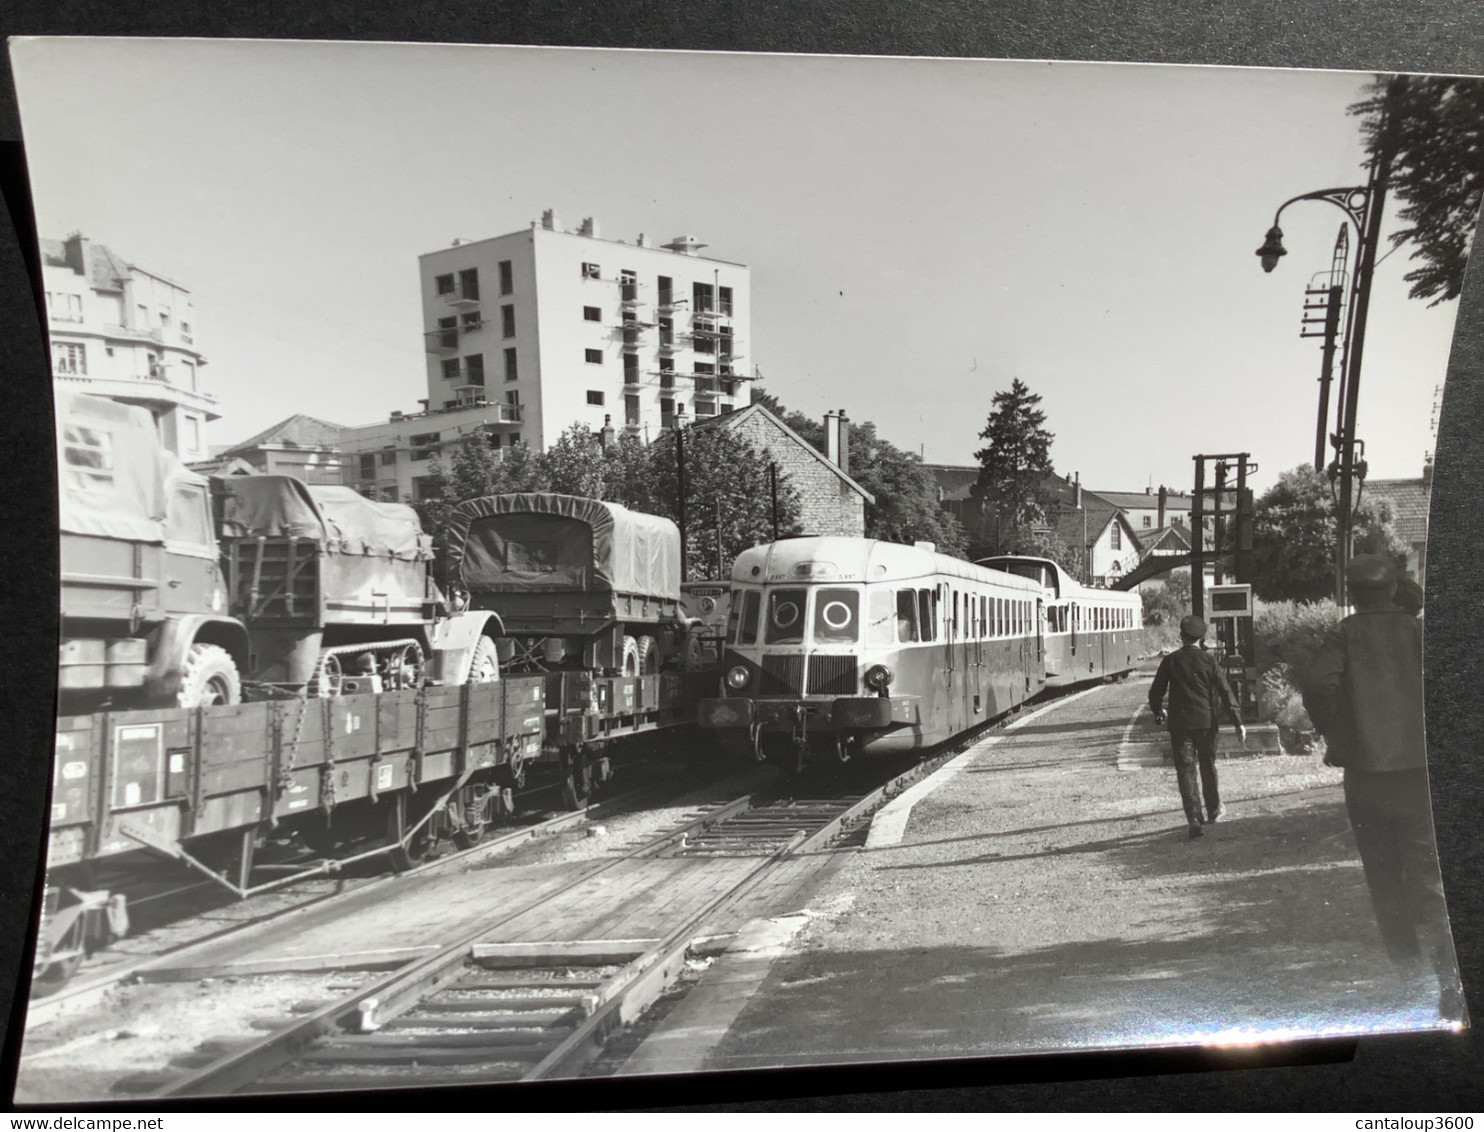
(1197, 690)
(1364, 692)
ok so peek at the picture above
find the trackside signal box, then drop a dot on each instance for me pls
(1229, 609)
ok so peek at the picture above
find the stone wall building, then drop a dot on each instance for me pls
(830, 502)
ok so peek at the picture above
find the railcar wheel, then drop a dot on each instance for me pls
(473, 824)
(208, 677)
(406, 853)
(577, 780)
(56, 973)
(484, 667)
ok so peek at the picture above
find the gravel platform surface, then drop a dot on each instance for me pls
(1045, 899)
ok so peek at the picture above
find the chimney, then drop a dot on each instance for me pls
(606, 436)
(76, 252)
(831, 439)
(1427, 474)
(642, 241)
(588, 227)
(1164, 497)
(843, 444)
(1077, 492)
(549, 220)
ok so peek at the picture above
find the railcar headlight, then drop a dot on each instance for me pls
(738, 677)
(878, 676)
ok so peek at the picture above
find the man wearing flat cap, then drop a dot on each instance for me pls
(1364, 694)
(1197, 690)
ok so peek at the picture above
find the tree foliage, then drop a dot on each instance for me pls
(1294, 536)
(1046, 544)
(1016, 463)
(727, 490)
(1434, 127)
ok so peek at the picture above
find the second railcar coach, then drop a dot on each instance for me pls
(1090, 634)
(844, 646)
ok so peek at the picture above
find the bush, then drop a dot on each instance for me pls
(1287, 634)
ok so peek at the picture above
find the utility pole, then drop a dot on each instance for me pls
(680, 491)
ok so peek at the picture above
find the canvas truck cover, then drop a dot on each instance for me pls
(341, 519)
(544, 543)
(111, 470)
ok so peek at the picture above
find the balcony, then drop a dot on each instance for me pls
(628, 297)
(134, 334)
(459, 299)
(440, 341)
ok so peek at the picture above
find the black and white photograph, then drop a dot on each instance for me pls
(583, 563)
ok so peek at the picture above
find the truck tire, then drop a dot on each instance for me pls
(208, 677)
(630, 657)
(484, 666)
(649, 656)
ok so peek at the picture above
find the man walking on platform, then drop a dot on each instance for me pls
(1197, 688)
(1364, 694)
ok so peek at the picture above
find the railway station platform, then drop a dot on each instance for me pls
(1041, 893)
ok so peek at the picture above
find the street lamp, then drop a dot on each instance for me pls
(1362, 206)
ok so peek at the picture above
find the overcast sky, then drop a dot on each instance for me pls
(919, 231)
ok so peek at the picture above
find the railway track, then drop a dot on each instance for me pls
(539, 990)
(310, 893)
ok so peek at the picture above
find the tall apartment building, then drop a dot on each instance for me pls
(529, 333)
(122, 332)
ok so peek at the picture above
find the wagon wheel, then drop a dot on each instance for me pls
(57, 972)
(406, 853)
(577, 779)
(473, 822)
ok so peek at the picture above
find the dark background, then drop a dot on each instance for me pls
(1438, 1074)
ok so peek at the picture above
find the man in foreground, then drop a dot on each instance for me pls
(1196, 687)
(1364, 695)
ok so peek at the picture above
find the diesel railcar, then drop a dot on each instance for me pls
(844, 646)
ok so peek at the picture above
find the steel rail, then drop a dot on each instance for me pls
(400, 988)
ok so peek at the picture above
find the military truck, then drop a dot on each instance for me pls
(145, 616)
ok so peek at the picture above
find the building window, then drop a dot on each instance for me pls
(507, 320)
(594, 396)
(474, 369)
(666, 291)
(69, 358)
(423, 445)
(444, 284)
(593, 357)
(193, 434)
(592, 314)
(164, 320)
(631, 408)
(705, 407)
(514, 439)
(469, 283)
(141, 317)
(703, 295)
(448, 334)
(1115, 538)
(724, 300)
(512, 397)
(185, 333)
(511, 373)
(667, 332)
(725, 341)
(667, 405)
(628, 286)
(631, 369)
(368, 465)
(705, 367)
(704, 340)
(1148, 521)
(507, 277)
(64, 308)
(470, 320)
(190, 373)
(388, 457)
(424, 488)
(590, 271)
(450, 369)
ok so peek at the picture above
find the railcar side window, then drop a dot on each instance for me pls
(836, 617)
(785, 617)
(927, 613)
(907, 616)
(744, 618)
(880, 615)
